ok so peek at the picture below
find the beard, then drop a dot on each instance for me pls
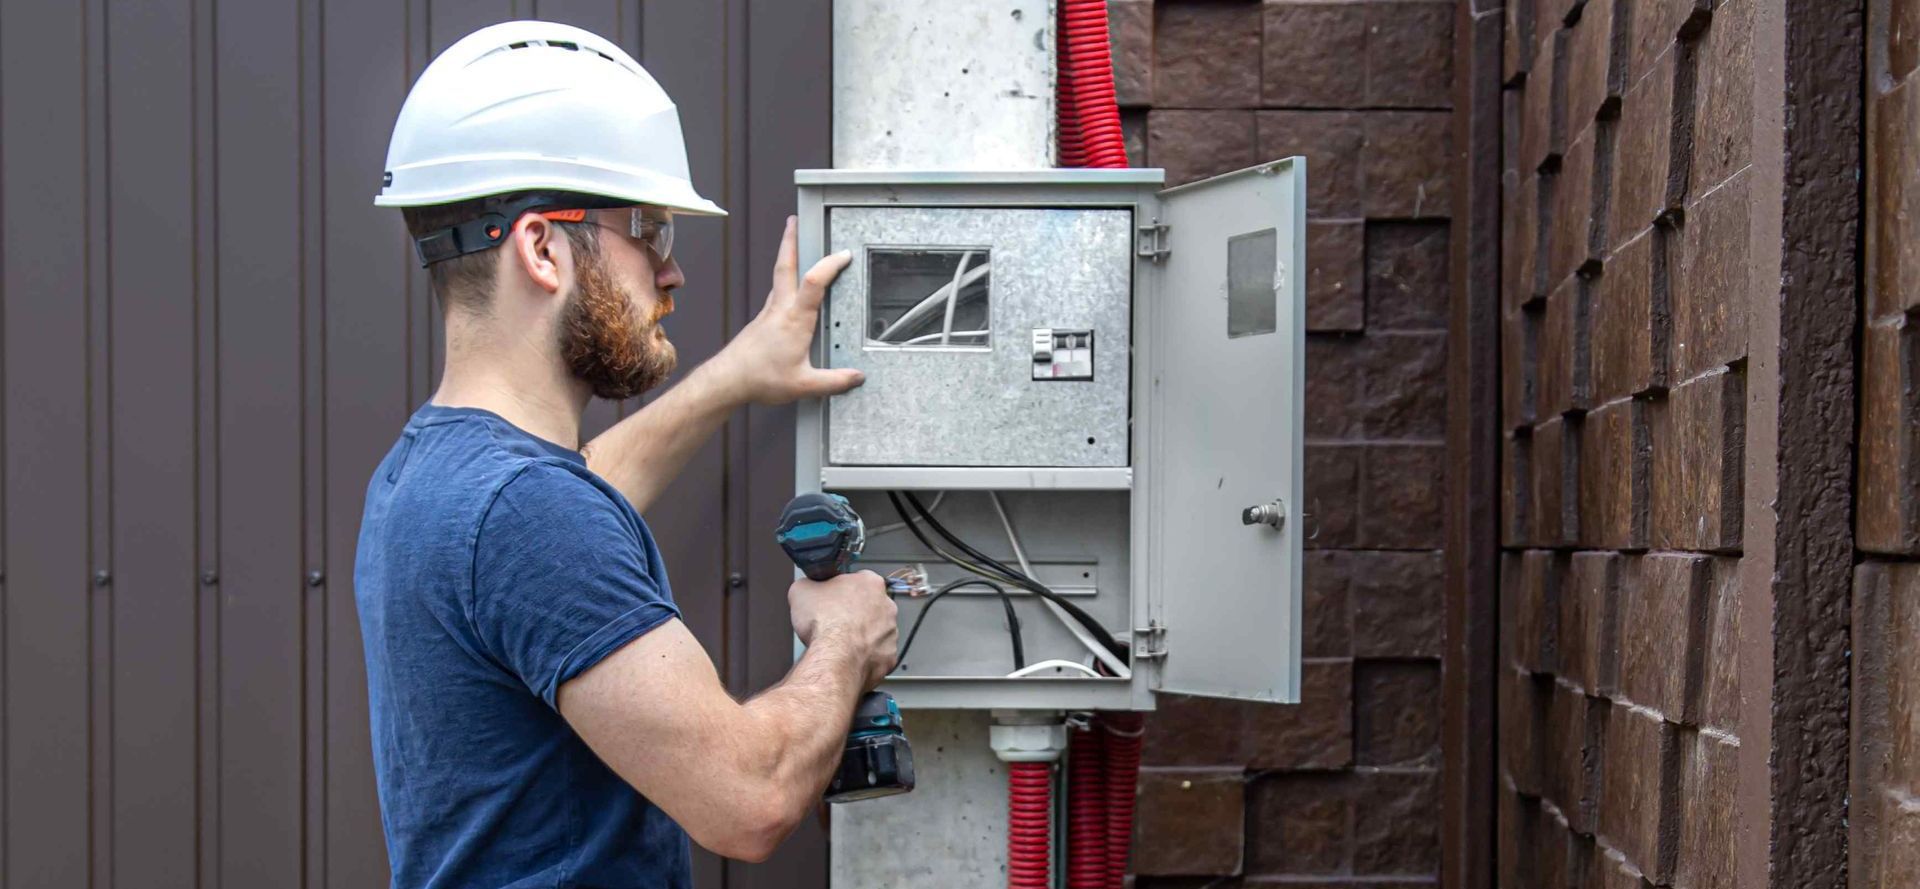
(604, 339)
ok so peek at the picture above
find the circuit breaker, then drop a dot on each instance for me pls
(1081, 423)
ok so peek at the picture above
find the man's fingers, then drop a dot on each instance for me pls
(813, 287)
(822, 382)
(788, 258)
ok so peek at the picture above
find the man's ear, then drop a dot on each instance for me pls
(538, 248)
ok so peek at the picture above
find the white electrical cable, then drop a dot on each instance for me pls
(953, 296)
(1054, 664)
(942, 336)
(1079, 632)
(912, 316)
(888, 529)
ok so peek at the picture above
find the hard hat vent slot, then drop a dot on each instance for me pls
(556, 44)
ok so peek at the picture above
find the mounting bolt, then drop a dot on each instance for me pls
(102, 577)
(209, 577)
(316, 578)
(736, 580)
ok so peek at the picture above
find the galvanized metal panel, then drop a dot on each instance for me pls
(1224, 434)
(155, 587)
(46, 786)
(981, 94)
(927, 405)
(949, 833)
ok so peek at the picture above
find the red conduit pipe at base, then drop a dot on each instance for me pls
(1029, 811)
(1086, 810)
(1089, 119)
(1123, 732)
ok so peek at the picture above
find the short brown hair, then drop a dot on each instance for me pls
(467, 281)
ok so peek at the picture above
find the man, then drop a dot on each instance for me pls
(540, 715)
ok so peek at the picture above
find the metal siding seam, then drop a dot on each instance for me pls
(313, 629)
(99, 410)
(206, 448)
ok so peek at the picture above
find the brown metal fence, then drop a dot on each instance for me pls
(210, 336)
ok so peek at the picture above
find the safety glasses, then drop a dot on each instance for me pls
(650, 226)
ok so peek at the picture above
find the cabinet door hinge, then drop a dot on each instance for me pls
(1153, 241)
(1150, 641)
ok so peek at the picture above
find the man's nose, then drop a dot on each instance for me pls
(669, 275)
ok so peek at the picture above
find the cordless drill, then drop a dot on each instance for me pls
(823, 536)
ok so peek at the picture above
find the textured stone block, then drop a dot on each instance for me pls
(1543, 135)
(1564, 350)
(1402, 490)
(1570, 244)
(1206, 55)
(1614, 468)
(1710, 295)
(1899, 859)
(1629, 328)
(1723, 97)
(1593, 75)
(1406, 164)
(1189, 822)
(1709, 813)
(1887, 505)
(1130, 39)
(1519, 368)
(1642, 189)
(1658, 596)
(1536, 638)
(1396, 603)
(1332, 142)
(1640, 758)
(1520, 239)
(1719, 698)
(1407, 286)
(1902, 661)
(1396, 713)
(1336, 276)
(1892, 229)
(1555, 470)
(1326, 584)
(1316, 733)
(1523, 721)
(1403, 392)
(1133, 129)
(1517, 44)
(1332, 478)
(1516, 489)
(1193, 145)
(1409, 55)
(1300, 824)
(1570, 759)
(1310, 55)
(1589, 633)
(1654, 25)
(1336, 375)
(1699, 437)
(1394, 831)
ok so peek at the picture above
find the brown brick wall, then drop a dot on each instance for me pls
(1885, 821)
(1344, 789)
(1624, 348)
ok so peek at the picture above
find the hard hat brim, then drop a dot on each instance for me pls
(449, 181)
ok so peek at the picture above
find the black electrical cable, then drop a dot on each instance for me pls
(1013, 622)
(993, 568)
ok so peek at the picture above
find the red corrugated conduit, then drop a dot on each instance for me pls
(1123, 732)
(1029, 833)
(1089, 121)
(1086, 810)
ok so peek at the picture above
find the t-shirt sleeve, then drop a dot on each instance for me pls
(560, 579)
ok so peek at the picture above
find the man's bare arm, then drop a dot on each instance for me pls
(739, 777)
(768, 363)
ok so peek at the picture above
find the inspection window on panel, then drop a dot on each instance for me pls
(929, 297)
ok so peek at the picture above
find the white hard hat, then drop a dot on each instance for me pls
(538, 106)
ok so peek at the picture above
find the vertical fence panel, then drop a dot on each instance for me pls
(262, 590)
(43, 182)
(366, 389)
(150, 264)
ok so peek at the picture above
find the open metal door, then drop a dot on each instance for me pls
(1226, 331)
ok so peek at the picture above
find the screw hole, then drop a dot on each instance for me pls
(1089, 439)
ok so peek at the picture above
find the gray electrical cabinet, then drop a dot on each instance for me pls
(1091, 378)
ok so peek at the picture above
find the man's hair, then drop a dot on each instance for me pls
(467, 281)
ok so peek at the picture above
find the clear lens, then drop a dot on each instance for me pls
(655, 229)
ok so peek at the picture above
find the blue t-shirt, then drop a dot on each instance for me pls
(493, 567)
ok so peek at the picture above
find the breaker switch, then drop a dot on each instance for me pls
(1061, 354)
